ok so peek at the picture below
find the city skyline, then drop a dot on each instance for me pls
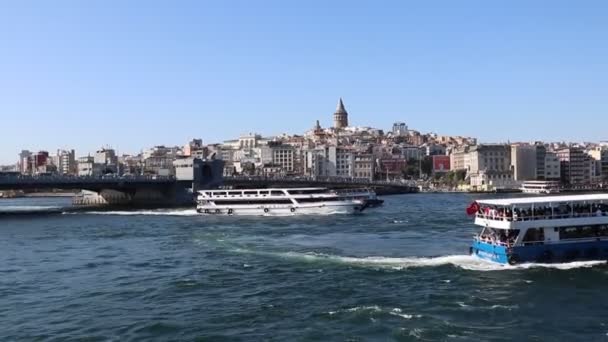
(131, 76)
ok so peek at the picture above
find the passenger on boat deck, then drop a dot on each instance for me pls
(544, 212)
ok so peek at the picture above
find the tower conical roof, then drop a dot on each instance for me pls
(340, 108)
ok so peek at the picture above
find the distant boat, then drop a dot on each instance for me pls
(285, 201)
(540, 187)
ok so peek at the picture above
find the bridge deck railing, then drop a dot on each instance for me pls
(82, 179)
(342, 180)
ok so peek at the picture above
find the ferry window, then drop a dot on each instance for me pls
(578, 232)
(250, 193)
(276, 193)
(534, 235)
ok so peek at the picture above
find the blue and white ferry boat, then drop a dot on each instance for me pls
(541, 229)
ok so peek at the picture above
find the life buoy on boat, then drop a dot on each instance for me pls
(513, 259)
(217, 211)
(229, 211)
(293, 210)
(266, 210)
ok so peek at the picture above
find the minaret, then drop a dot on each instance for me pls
(340, 116)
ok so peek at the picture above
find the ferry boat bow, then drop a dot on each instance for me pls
(541, 229)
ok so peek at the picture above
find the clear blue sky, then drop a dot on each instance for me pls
(131, 74)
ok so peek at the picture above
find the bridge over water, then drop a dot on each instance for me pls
(169, 190)
(381, 187)
(126, 184)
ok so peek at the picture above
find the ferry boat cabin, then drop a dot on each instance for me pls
(541, 229)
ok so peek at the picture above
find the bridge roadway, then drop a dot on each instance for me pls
(381, 187)
(97, 184)
(133, 183)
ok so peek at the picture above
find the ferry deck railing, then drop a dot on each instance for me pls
(553, 216)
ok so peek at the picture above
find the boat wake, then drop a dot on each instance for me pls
(466, 262)
(159, 212)
(188, 212)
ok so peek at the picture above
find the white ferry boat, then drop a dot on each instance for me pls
(288, 201)
(541, 229)
(540, 187)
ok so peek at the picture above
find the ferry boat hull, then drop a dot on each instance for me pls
(344, 207)
(557, 253)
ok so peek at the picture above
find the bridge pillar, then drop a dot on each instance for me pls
(104, 197)
(144, 197)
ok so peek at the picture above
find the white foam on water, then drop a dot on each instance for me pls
(159, 212)
(466, 262)
(375, 309)
(26, 207)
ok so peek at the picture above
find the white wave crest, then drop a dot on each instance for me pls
(375, 309)
(466, 262)
(159, 212)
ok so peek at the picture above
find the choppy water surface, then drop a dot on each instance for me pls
(396, 273)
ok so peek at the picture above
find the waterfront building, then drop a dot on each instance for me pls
(364, 166)
(24, 163)
(66, 162)
(39, 162)
(195, 146)
(524, 162)
(106, 156)
(441, 164)
(552, 167)
(460, 158)
(599, 155)
(490, 157)
(131, 165)
(432, 149)
(340, 116)
(158, 160)
(490, 167)
(391, 167)
(575, 165)
(490, 180)
(283, 156)
(344, 162)
(88, 168)
(541, 152)
(410, 152)
(321, 161)
(247, 141)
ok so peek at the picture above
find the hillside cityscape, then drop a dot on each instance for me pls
(400, 154)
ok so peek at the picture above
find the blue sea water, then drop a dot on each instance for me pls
(400, 272)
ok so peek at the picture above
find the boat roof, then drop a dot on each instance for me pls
(544, 199)
(262, 189)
